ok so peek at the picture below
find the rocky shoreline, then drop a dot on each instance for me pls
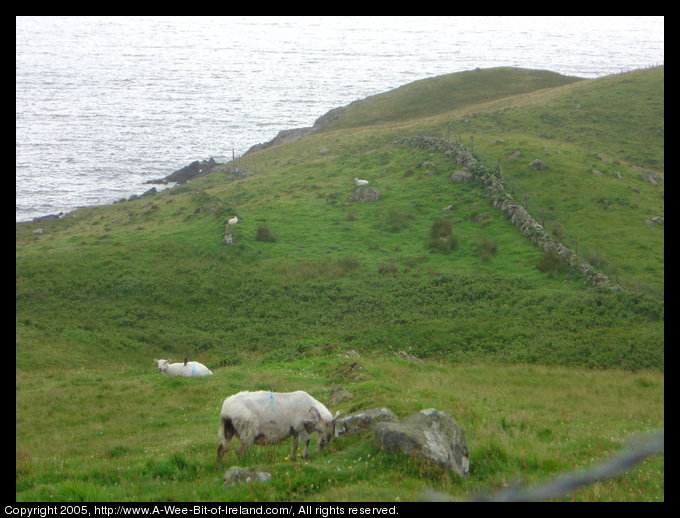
(282, 136)
(199, 168)
(194, 170)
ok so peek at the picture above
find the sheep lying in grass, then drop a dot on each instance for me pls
(264, 417)
(187, 369)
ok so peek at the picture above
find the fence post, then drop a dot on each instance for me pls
(227, 234)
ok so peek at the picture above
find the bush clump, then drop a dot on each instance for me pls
(398, 219)
(388, 268)
(263, 234)
(441, 238)
(347, 263)
(486, 249)
(551, 262)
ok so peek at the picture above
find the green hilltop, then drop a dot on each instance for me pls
(431, 268)
(441, 94)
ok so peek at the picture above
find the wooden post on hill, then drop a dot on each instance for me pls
(227, 234)
(449, 127)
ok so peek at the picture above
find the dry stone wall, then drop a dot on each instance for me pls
(503, 201)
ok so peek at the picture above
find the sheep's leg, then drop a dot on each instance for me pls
(293, 448)
(226, 433)
(221, 450)
(305, 444)
(245, 444)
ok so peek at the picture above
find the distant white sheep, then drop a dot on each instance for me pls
(232, 221)
(187, 369)
(359, 181)
(264, 417)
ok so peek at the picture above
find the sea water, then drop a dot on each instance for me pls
(104, 104)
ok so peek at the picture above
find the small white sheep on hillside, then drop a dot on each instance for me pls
(187, 369)
(359, 181)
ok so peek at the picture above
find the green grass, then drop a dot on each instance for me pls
(131, 434)
(613, 126)
(444, 93)
(543, 373)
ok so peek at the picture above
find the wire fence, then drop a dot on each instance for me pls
(641, 448)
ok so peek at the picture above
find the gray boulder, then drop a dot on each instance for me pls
(460, 176)
(235, 172)
(358, 422)
(194, 170)
(537, 165)
(49, 216)
(429, 434)
(650, 177)
(407, 356)
(236, 475)
(281, 137)
(338, 394)
(366, 194)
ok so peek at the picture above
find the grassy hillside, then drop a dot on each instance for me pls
(311, 275)
(129, 434)
(442, 94)
(597, 138)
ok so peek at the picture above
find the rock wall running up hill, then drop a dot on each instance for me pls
(502, 200)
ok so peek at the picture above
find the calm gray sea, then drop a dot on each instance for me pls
(104, 104)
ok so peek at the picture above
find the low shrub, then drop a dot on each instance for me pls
(388, 268)
(440, 228)
(551, 262)
(443, 244)
(264, 235)
(441, 238)
(398, 219)
(348, 263)
(486, 249)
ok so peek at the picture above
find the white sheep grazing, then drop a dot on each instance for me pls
(358, 181)
(264, 417)
(232, 221)
(187, 369)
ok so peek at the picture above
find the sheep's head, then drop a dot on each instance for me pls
(161, 364)
(324, 428)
